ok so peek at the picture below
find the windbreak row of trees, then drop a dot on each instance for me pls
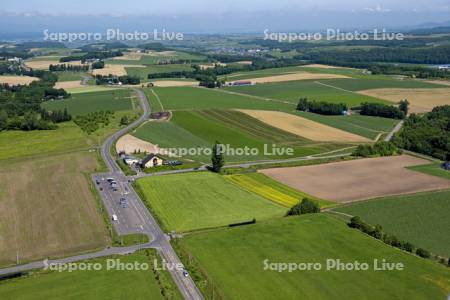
(92, 55)
(113, 79)
(68, 67)
(321, 107)
(383, 110)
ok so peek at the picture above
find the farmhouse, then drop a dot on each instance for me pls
(129, 160)
(151, 160)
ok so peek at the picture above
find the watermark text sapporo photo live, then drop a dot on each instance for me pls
(113, 34)
(332, 34)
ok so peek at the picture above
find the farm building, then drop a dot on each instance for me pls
(129, 160)
(241, 83)
(151, 160)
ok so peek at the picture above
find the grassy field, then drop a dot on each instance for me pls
(434, 169)
(84, 103)
(68, 76)
(234, 262)
(48, 208)
(181, 98)
(366, 126)
(203, 200)
(170, 135)
(67, 137)
(292, 91)
(104, 284)
(273, 190)
(421, 219)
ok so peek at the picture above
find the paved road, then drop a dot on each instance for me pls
(135, 217)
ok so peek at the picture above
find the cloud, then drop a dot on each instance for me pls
(377, 9)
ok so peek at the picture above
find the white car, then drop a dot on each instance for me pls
(114, 218)
(185, 273)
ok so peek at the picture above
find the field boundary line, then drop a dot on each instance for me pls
(252, 96)
(157, 98)
(335, 87)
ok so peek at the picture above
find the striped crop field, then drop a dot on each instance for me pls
(275, 191)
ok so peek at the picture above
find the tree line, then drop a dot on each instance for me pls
(113, 79)
(68, 67)
(383, 110)
(321, 107)
(92, 55)
(428, 134)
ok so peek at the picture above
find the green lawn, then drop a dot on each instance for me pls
(103, 284)
(434, 169)
(366, 126)
(234, 262)
(421, 219)
(186, 202)
(179, 98)
(84, 103)
(292, 91)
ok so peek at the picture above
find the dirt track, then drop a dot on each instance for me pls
(360, 179)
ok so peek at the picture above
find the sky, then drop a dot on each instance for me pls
(120, 7)
(227, 16)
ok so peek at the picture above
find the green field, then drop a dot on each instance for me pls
(292, 91)
(103, 284)
(84, 103)
(234, 262)
(181, 98)
(169, 135)
(273, 190)
(186, 202)
(358, 84)
(67, 138)
(366, 126)
(421, 219)
(69, 76)
(434, 169)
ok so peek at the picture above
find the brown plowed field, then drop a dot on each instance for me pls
(360, 179)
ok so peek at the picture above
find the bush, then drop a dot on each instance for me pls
(305, 207)
(379, 149)
(423, 253)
